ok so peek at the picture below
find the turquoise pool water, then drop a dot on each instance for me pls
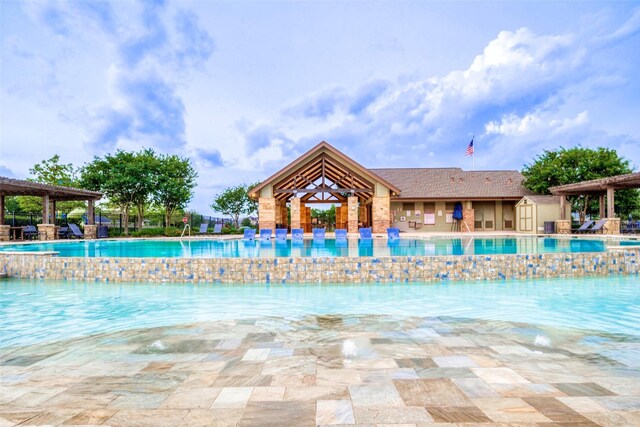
(210, 248)
(33, 312)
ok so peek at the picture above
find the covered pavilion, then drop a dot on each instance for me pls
(602, 187)
(50, 195)
(325, 175)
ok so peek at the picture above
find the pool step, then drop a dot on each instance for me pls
(3, 275)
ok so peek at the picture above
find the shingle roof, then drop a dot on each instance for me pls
(454, 183)
(19, 187)
(545, 200)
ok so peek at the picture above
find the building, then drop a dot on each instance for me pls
(416, 199)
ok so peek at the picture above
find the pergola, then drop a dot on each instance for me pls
(598, 187)
(50, 195)
(324, 175)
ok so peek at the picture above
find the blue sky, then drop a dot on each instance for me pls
(243, 87)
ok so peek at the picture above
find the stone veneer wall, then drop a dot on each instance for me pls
(314, 270)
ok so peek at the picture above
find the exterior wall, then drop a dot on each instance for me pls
(438, 208)
(267, 213)
(381, 214)
(386, 269)
(296, 213)
(352, 215)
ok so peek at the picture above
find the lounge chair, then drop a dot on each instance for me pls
(249, 234)
(365, 233)
(29, 232)
(281, 234)
(584, 227)
(393, 233)
(204, 227)
(598, 227)
(74, 231)
(318, 234)
(341, 234)
(217, 229)
(297, 234)
(63, 233)
(265, 234)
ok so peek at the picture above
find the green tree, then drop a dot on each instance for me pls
(176, 179)
(571, 165)
(326, 216)
(126, 178)
(234, 201)
(51, 171)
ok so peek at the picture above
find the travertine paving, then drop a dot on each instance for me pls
(332, 370)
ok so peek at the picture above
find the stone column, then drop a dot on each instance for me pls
(468, 220)
(47, 231)
(563, 226)
(381, 210)
(612, 226)
(352, 215)
(90, 231)
(267, 213)
(295, 213)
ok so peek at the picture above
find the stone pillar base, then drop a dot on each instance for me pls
(4, 233)
(352, 215)
(47, 231)
(295, 213)
(612, 226)
(381, 213)
(90, 232)
(468, 220)
(563, 226)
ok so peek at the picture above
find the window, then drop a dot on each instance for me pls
(408, 206)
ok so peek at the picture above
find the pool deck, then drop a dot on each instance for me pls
(327, 370)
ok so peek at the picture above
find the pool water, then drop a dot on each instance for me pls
(34, 312)
(213, 248)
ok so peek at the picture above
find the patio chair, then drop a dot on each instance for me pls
(318, 234)
(341, 234)
(204, 227)
(393, 233)
(281, 234)
(584, 227)
(598, 227)
(297, 235)
(265, 234)
(74, 231)
(249, 234)
(365, 233)
(29, 232)
(63, 233)
(217, 229)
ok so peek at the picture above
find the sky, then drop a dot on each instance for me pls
(242, 88)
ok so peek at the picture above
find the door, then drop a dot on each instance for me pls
(525, 216)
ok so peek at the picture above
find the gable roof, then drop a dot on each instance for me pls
(454, 183)
(544, 200)
(323, 147)
(19, 187)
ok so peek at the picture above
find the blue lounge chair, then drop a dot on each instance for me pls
(74, 231)
(318, 234)
(249, 234)
(598, 227)
(217, 229)
(584, 227)
(63, 233)
(29, 232)
(265, 234)
(365, 233)
(297, 234)
(203, 228)
(281, 234)
(341, 234)
(393, 233)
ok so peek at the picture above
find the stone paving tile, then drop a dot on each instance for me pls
(325, 370)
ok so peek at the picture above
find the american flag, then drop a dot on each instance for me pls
(469, 151)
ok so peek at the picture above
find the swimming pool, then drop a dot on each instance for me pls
(213, 248)
(34, 312)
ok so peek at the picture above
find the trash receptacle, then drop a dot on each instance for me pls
(549, 227)
(103, 231)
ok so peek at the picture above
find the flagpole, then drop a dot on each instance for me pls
(473, 156)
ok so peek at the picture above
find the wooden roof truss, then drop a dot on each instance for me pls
(324, 180)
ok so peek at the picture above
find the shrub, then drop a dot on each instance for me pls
(246, 222)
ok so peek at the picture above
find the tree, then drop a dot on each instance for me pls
(568, 166)
(126, 178)
(233, 201)
(174, 184)
(51, 171)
